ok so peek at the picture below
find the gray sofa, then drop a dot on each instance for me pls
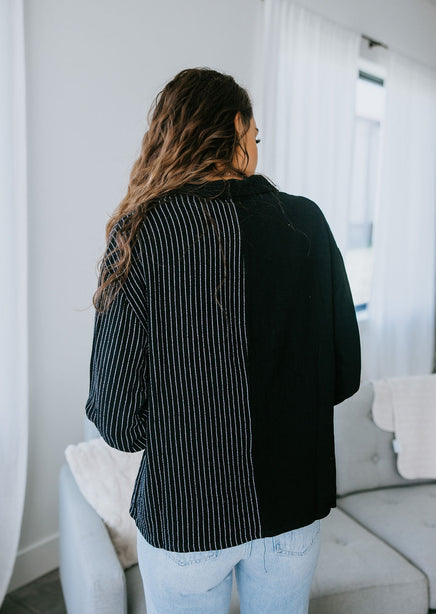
(378, 549)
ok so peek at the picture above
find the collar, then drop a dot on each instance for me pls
(239, 188)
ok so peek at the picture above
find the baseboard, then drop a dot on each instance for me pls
(35, 561)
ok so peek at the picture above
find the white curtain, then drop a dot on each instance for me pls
(305, 107)
(402, 304)
(13, 265)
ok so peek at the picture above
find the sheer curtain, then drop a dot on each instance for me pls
(304, 102)
(305, 105)
(13, 259)
(402, 305)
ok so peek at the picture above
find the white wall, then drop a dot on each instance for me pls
(93, 68)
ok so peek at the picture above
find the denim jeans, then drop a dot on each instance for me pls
(273, 575)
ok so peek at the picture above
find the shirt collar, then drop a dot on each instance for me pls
(239, 188)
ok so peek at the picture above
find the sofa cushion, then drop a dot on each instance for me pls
(365, 458)
(405, 518)
(359, 573)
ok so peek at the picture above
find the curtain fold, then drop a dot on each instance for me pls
(400, 333)
(13, 268)
(304, 103)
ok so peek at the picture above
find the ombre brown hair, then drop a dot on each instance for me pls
(191, 137)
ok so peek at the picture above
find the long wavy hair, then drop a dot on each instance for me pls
(191, 137)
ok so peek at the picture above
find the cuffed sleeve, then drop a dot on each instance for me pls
(117, 402)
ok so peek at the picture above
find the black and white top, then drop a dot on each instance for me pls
(230, 399)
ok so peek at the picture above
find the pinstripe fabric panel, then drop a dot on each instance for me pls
(169, 375)
(117, 376)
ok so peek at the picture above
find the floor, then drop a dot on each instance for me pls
(43, 596)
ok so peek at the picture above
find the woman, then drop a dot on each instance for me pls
(225, 332)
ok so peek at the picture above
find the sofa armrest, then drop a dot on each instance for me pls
(89, 429)
(92, 579)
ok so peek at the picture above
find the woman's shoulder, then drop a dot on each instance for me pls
(302, 204)
(303, 209)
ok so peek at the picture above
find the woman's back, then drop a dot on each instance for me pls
(224, 334)
(237, 339)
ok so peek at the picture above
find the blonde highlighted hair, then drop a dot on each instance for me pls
(191, 137)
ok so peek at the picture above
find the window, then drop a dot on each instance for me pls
(370, 101)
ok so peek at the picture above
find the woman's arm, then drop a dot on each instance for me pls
(346, 329)
(117, 402)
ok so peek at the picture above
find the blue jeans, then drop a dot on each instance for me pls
(273, 575)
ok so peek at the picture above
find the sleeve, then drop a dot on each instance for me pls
(117, 402)
(346, 329)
